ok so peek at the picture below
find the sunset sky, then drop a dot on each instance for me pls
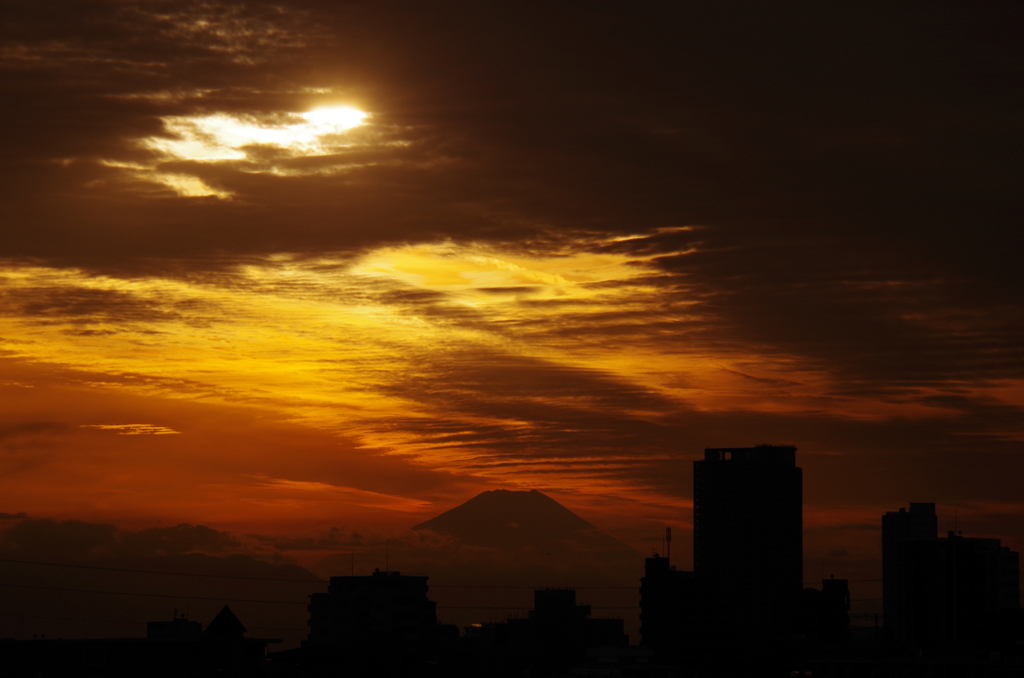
(275, 268)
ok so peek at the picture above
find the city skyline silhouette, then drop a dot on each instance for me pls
(282, 281)
(947, 602)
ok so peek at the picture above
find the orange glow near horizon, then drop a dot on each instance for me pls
(331, 347)
(282, 281)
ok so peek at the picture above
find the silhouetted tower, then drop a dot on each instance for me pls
(825, 614)
(748, 537)
(898, 528)
(383, 621)
(670, 610)
(945, 595)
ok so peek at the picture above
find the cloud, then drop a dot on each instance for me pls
(133, 429)
(666, 227)
(14, 431)
(79, 540)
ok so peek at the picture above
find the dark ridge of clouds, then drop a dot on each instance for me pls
(622, 119)
(435, 307)
(334, 539)
(484, 381)
(79, 540)
(544, 414)
(511, 289)
(852, 170)
(762, 380)
(909, 331)
(62, 304)
(9, 431)
(69, 68)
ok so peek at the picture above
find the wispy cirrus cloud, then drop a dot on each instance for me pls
(134, 429)
(684, 226)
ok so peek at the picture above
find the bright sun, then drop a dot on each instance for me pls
(224, 136)
(338, 117)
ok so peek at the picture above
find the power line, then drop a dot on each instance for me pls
(294, 581)
(176, 574)
(533, 588)
(125, 621)
(512, 607)
(73, 619)
(152, 595)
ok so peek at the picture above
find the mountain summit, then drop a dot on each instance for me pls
(519, 519)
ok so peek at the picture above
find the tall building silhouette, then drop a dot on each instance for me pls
(383, 622)
(899, 528)
(945, 595)
(748, 537)
(671, 610)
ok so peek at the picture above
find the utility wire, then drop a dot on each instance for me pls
(512, 607)
(296, 581)
(73, 619)
(177, 574)
(153, 595)
(126, 622)
(531, 588)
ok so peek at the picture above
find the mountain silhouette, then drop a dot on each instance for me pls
(521, 519)
(499, 546)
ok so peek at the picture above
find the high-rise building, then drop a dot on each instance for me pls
(899, 528)
(384, 621)
(671, 610)
(944, 594)
(748, 536)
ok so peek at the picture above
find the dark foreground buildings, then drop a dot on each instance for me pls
(741, 609)
(554, 639)
(948, 595)
(171, 649)
(380, 625)
(899, 528)
(748, 537)
(384, 625)
(951, 604)
(951, 610)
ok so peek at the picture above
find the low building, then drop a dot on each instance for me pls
(382, 624)
(179, 647)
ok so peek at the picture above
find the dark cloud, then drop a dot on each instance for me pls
(32, 429)
(78, 540)
(530, 406)
(875, 120)
(68, 304)
(828, 193)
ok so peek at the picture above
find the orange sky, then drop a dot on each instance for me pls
(280, 268)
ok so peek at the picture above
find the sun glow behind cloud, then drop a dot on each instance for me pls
(328, 343)
(492, 368)
(134, 429)
(401, 348)
(224, 136)
(242, 141)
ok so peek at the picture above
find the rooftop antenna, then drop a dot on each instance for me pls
(352, 563)
(668, 544)
(387, 555)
